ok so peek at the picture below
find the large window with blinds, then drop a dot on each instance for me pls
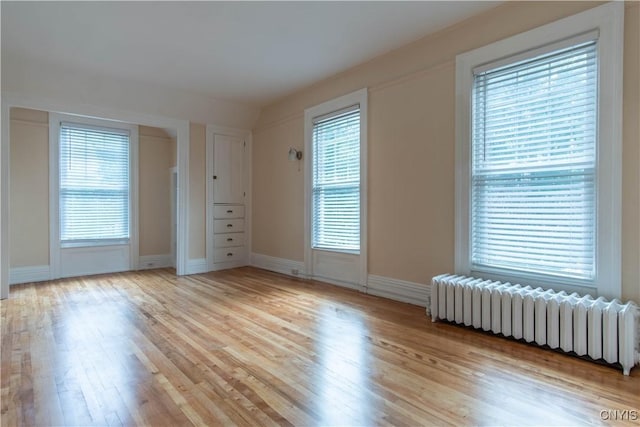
(336, 181)
(94, 185)
(538, 156)
(534, 164)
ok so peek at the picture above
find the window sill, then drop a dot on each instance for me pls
(340, 251)
(93, 243)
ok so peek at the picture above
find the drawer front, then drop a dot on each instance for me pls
(228, 211)
(228, 254)
(228, 225)
(228, 240)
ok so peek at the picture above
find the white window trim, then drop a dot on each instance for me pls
(608, 19)
(55, 120)
(4, 201)
(357, 97)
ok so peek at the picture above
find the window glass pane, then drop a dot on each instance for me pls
(534, 165)
(336, 182)
(94, 184)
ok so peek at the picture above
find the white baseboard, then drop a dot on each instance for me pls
(294, 268)
(197, 266)
(399, 290)
(386, 287)
(227, 265)
(146, 262)
(279, 265)
(35, 273)
(355, 286)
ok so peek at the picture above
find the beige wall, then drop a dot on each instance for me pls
(29, 188)
(411, 187)
(154, 180)
(278, 183)
(631, 156)
(197, 193)
(411, 148)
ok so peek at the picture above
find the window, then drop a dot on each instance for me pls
(94, 185)
(336, 181)
(335, 190)
(538, 156)
(534, 164)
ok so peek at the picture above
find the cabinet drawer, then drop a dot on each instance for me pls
(228, 254)
(228, 225)
(228, 240)
(228, 211)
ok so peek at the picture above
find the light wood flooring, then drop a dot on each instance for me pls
(250, 347)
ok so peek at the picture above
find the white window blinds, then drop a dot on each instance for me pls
(94, 184)
(336, 181)
(534, 165)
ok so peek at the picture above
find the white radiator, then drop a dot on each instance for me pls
(582, 325)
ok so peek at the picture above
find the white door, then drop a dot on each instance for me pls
(228, 171)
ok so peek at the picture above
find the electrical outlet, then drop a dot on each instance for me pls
(294, 271)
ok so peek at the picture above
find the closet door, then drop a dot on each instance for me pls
(228, 171)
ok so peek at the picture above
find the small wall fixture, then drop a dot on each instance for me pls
(294, 154)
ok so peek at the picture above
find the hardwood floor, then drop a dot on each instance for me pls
(249, 347)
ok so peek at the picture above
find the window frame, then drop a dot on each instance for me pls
(350, 267)
(56, 247)
(608, 20)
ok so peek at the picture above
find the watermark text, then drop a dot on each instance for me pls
(619, 415)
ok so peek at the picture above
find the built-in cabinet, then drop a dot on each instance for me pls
(228, 170)
(228, 233)
(227, 184)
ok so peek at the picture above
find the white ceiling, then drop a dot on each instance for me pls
(248, 52)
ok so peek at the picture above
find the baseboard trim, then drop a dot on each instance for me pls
(35, 273)
(386, 287)
(355, 286)
(399, 290)
(227, 265)
(279, 265)
(197, 266)
(294, 269)
(147, 262)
